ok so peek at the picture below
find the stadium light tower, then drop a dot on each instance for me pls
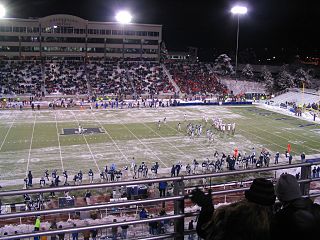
(123, 17)
(2, 11)
(238, 10)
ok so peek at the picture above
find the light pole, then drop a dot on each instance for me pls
(123, 17)
(238, 10)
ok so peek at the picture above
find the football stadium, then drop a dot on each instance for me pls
(105, 133)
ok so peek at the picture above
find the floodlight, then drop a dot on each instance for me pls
(239, 10)
(2, 11)
(123, 17)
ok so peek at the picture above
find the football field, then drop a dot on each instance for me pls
(47, 139)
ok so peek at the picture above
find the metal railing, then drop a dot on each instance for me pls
(178, 200)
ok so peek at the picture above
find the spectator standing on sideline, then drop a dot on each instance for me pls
(94, 233)
(53, 226)
(114, 231)
(30, 177)
(87, 197)
(61, 235)
(43, 237)
(162, 188)
(143, 214)
(37, 224)
(75, 235)
(124, 231)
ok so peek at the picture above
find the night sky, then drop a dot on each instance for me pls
(271, 27)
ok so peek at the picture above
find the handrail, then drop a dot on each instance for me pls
(146, 181)
(90, 207)
(108, 225)
(134, 222)
(177, 216)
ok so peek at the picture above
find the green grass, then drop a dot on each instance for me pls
(134, 133)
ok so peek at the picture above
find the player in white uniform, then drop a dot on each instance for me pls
(229, 127)
(80, 129)
(179, 126)
(233, 127)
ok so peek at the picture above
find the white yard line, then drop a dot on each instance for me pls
(140, 141)
(286, 139)
(92, 156)
(168, 141)
(58, 135)
(180, 133)
(301, 136)
(283, 112)
(114, 143)
(4, 140)
(31, 141)
(265, 140)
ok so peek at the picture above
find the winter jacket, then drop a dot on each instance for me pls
(298, 219)
(163, 185)
(242, 220)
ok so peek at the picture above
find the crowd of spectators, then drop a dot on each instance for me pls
(106, 77)
(194, 78)
(72, 77)
(21, 77)
(148, 78)
(65, 77)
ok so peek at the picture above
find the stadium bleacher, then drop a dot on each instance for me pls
(193, 78)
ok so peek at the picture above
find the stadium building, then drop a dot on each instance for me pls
(68, 36)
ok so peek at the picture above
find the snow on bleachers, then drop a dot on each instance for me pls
(239, 87)
(297, 97)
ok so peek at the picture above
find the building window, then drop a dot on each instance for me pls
(150, 42)
(9, 48)
(9, 39)
(117, 32)
(30, 39)
(113, 50)
(95, 40)
(5, 29)
(113, 41)
(132, 50)
(96, 50)
(132, 41)
(129, 33)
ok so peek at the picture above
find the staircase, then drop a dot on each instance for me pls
(209, 67)
(131, 81)
(166, 71)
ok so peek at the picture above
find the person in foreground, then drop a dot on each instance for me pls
(248, 219)
(298, 218)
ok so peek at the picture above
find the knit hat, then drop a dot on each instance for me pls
(261, 192)
(287, 188)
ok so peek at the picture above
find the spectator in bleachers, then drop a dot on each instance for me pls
(299, 218)
(61, 235)
(248, 219)
(44, 237)
(124, 231)
(75, 235)
(194, 78)
(114, 231)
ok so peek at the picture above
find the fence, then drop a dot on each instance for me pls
(179, 197)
